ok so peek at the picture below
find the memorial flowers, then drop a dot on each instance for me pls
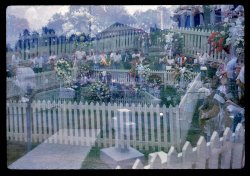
(98, 91)
(143, 71)
(64, 70)
(187, 75)
(105, 61)
(232, 35)
(85, 69)
(154, 78)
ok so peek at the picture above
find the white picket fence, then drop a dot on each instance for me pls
(196, 41)
(226, 152)
(48, 117)
(152, 130)
(122, 76)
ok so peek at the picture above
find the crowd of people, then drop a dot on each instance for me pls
(223, 106)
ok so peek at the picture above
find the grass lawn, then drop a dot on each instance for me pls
(194, 132)
(93, 161)
(16, 150)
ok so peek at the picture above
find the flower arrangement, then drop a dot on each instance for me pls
(232, 35)
(218, 41)
(64, 70)
(84, 69)
(104, 61)
(98, 91)
(143, 70)
(187, 75)
(236, 37)
(154, 78)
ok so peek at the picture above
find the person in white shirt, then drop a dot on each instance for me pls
(112, 58)
(96, 59)
(32, 61)
(80, 54)
(117, 59)
(15, 60)
(39, 63)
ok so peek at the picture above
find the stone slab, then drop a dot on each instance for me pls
(53, 155)
(112, 157)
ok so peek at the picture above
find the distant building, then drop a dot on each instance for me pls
(121, 37)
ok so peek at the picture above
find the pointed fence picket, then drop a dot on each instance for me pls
(227, 152)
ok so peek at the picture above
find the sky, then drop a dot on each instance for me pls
(38, 16)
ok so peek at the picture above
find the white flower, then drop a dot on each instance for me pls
(228, 41)
(226, 20)
(222, 32)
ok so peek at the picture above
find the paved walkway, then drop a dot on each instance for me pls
(53, 156)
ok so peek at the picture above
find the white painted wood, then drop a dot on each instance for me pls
(238, 147)
(146, 128)
(109, 125)
(171, 121)
(152, 128)
(187, 156)
(44, 120)
(138, 164)
(201, 153)
(19, 120)
(70, 129)
(133, 129)
(92, 121)
(25, 122)
(158, 126)
(80, 108)
(87, 123)
(226, 149)
(98, 119)
(15, 121)
(215, 149)
(102, 106)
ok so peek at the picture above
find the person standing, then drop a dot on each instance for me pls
(15, 60)
(231, 76)
(96, 60)
(40, 61)
(32, 62)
